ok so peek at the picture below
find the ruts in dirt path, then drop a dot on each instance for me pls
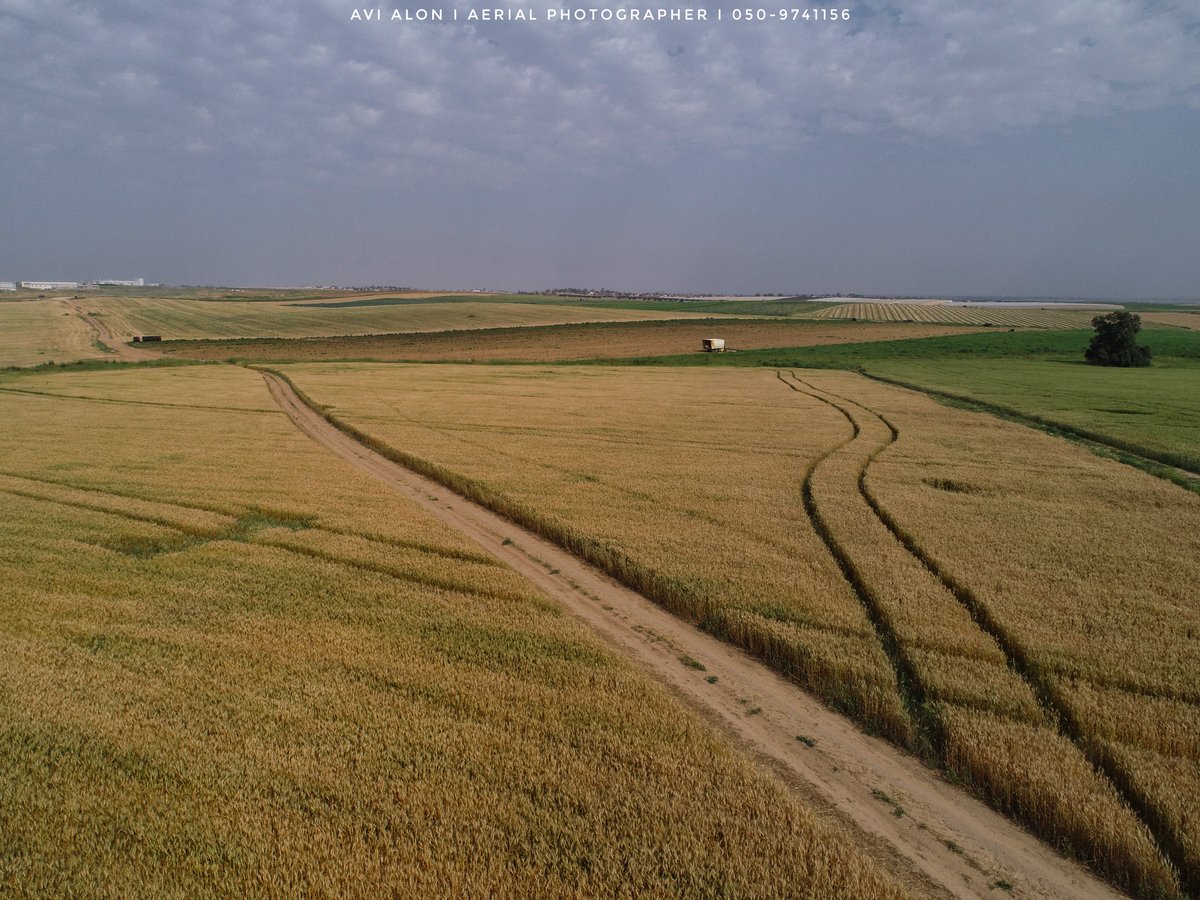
(105, 336)
(957, 844)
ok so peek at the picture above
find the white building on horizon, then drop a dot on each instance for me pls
(114, 282)
(51, 285)
(8, 285)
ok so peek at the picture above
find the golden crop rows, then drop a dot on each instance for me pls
(1087, 572)
(650, 478)
(982, 715)
(231, 664)
(1033, 599)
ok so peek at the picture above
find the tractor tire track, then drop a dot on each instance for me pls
(1059, 711)
(955, 844)
(906, 677)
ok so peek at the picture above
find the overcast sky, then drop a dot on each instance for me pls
(1023, 147)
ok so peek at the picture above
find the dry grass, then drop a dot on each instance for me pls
(946, 314)
(557, 343)
(40, 331)
(1010, 571)
(230, 664)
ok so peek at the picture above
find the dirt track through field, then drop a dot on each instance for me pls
(105, 336)
(959, 845)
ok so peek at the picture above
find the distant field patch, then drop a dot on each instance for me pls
(368, 298)
(40, 331)
(560, 342)
(205, 319)
(1154, 410)
(947, 314)
(1190, 320)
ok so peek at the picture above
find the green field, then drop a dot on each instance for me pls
(1172, 347)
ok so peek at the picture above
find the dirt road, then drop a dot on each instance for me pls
(104, 335)
(959, 846)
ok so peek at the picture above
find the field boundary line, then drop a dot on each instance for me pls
(1060, 716)
(1144, 458)
(964, 848)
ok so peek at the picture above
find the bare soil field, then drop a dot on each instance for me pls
(259, 673)
(558, 343)
(1038, 666)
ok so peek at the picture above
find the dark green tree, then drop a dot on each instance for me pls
(1114, 343)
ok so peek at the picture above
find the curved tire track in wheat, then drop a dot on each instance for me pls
(1059, 712)
(906, 679)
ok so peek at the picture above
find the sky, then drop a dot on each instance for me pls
(932, 147)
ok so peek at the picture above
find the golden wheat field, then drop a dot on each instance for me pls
(186, 318)
(33, 332)
(1017, 608)
(648, 474)
(1088, 571)
(1186, 318)
(230, 664)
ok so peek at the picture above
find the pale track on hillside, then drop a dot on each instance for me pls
(104, 336)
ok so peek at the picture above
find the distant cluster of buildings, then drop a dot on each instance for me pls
(70, 285)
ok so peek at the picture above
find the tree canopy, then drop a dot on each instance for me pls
(1114, 343)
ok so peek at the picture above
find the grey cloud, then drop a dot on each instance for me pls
(903, 150)
(279, 81)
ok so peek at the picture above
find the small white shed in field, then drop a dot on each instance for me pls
(712, 345)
